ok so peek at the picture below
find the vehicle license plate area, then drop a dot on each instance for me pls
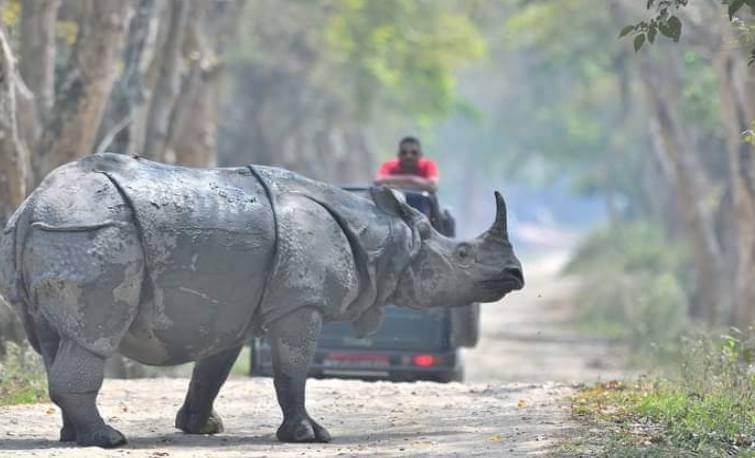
(355, 361)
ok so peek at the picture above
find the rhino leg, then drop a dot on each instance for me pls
(196, 416)
(48, 347)
(293, 341)
(75, 379)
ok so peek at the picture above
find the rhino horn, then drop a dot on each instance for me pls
(499, 229)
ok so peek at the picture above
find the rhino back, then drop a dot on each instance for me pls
(208, 238)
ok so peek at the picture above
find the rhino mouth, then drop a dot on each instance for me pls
(506, 284)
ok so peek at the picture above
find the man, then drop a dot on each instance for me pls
(410, 170)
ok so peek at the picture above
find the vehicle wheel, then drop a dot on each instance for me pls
(465, 325)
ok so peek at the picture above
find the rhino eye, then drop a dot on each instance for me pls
(464, 253)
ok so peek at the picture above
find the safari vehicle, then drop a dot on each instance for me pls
(410, 345)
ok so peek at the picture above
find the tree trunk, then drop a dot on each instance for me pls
(14, 157)
(37, 51)
(686, 173)
(192, 136)
(168, 82)
(81, 101)
(740, 182)
(144, 59)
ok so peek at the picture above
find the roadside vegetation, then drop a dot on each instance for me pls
(700, 397)
(22, 376)
(706, 409)
(634, 290)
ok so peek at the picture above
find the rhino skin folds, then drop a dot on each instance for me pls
(171, 264)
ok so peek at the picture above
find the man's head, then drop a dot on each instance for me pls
(409, 152)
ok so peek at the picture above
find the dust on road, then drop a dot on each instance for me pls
(524, 340)
(365, 418)
(528, 336)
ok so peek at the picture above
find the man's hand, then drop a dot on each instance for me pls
(408, 181)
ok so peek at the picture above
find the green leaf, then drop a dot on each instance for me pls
(639, 40)
(651, 34)
(665, 30)
(626, 31)
(675, 28)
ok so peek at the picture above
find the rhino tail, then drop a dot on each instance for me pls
(12, 285)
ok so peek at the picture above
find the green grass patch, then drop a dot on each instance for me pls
(241, 367)
(22, 377)
(708, 409)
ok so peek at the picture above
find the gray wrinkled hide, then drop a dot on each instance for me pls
(169, 264)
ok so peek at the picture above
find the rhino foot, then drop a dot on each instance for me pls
(192, 423)
(67, 433)
(302, 429)
(105, 437)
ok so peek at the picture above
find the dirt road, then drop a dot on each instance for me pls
(366, 419)
(527, 337)
(523, 341)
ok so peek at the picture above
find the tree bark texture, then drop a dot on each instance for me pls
(72, 128)
(168, 83)
(143, 64)
(193, 131)
(741, 253)
(685, 171)
(37, 51)
(14, 158)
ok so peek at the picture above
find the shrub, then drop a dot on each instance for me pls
(706, 409)
(632, 286)
(22, 376)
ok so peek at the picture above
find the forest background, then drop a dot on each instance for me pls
(645, 158)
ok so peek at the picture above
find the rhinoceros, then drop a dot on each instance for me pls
(169, 264)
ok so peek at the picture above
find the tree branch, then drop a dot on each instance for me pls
(84, 93)
(14, 157)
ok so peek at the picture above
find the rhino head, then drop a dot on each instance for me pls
(449, 272)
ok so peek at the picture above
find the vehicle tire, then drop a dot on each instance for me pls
(465, 325)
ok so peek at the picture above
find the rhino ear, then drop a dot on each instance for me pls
(389, 201)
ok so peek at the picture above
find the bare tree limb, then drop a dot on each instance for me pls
(107, 140)
(140, 75)
(84, 93)
(14, 157)
(168, 81)
(192, 135)
(37, 51)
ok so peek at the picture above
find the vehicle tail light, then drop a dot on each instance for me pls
(424, 360)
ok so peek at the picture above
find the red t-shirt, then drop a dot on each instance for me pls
(426, 168)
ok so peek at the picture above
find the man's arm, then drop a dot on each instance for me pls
(408, 181)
